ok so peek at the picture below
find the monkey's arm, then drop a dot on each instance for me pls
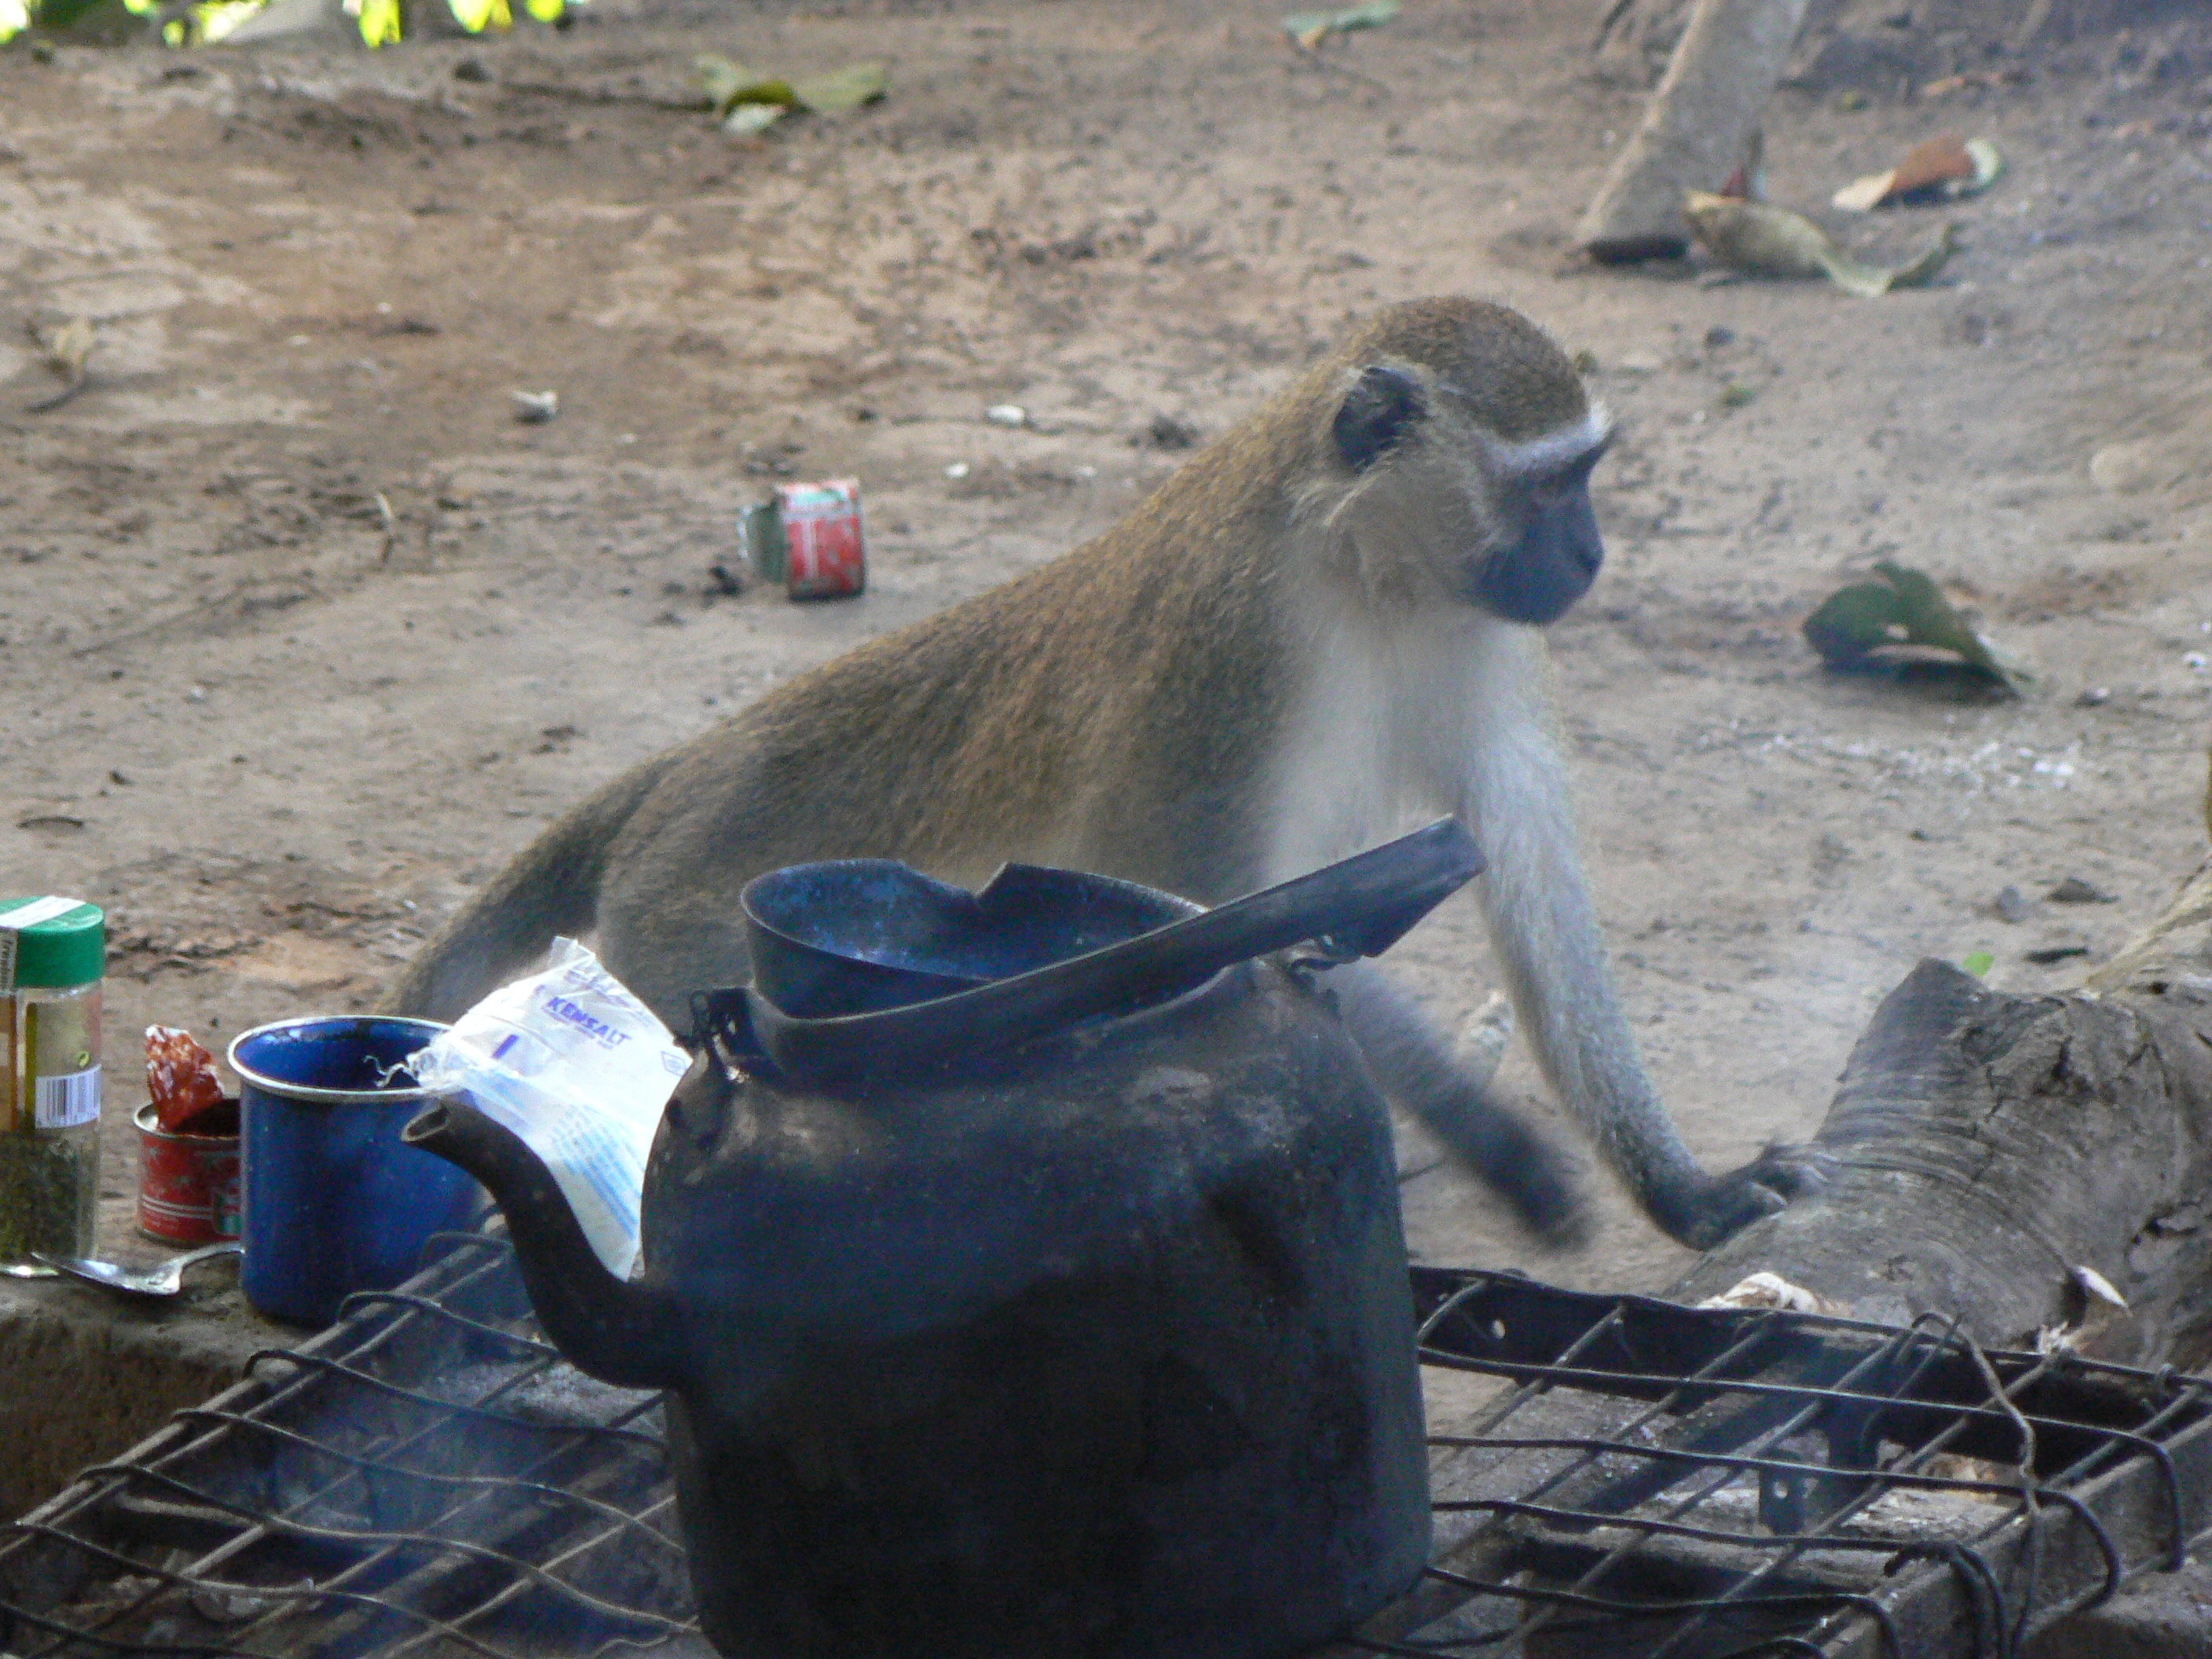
(1545, 929)
(1414, 1062)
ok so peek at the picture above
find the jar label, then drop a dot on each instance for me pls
(67, 1101)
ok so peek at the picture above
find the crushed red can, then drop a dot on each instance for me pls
(825, 554)
(188, 1190)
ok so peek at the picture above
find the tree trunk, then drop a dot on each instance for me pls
(1695, 128)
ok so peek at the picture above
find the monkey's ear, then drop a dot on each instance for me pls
(1379, 409)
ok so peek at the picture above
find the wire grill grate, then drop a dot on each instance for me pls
(426, 1478)
(429, 1479)
(1659, 1480)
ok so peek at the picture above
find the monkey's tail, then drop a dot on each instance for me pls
(551, 888)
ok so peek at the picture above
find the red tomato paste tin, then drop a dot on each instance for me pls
(188, 1183)
(823, 553)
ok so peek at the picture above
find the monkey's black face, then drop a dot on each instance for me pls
(1534, 579)
(1524, 503)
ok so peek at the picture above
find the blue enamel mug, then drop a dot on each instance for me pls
(333, 1202)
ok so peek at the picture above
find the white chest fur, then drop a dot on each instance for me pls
(1402, 722)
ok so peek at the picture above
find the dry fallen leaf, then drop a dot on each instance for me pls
(2099, 1288)
(1760, 240)
(1767, 1290)
(1940, 169)
(65, 350)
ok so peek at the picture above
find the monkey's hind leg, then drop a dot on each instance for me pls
(1414, 1062)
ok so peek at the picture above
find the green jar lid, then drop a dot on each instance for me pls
(55, 942)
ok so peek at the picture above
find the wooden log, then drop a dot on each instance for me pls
(1695, 128)
(1989, 1145)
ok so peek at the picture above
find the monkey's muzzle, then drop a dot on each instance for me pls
(1536, 579)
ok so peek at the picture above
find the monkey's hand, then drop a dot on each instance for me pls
(1725, 1205)
(1512, 1159)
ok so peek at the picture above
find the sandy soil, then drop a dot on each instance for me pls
(280, 739)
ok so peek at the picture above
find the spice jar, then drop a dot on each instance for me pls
(52, 951)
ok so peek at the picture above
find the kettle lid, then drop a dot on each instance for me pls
(865, 967)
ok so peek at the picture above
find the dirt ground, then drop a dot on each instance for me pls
(281, 738)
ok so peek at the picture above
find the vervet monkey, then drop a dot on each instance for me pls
(1328, 622)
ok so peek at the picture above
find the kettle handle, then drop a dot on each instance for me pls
(1359, 907)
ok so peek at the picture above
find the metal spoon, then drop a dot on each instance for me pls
(165, 1280)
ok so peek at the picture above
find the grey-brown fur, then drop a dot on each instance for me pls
(1130, 709)
(1029, 721)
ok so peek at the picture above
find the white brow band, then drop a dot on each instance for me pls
(1554, 449)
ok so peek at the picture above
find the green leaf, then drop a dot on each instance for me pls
(1853, 623)
(841, 90)
(770, 91)
(1978, 965)
(747, 102)
(1902, 623)
(1929, 621)
(68, 13)
(1310, 29)
(477, 16)
(380, 22)
(214, 20)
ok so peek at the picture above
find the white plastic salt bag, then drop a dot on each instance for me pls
(580, 1069)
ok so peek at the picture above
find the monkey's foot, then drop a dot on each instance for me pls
(1727, 1204)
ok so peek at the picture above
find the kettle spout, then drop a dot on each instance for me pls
(619, 1331)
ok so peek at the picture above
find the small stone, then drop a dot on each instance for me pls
(2075, 890)
(1719, 336)
(2010, 905)
(1167, 432)
(2094, 697)
(1006, 415)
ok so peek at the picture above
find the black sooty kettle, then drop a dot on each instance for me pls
(1024, 1267)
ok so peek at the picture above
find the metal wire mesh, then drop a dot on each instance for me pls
(428, 1478)
(1659, 1480)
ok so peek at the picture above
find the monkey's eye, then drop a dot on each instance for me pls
(1570, 480)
